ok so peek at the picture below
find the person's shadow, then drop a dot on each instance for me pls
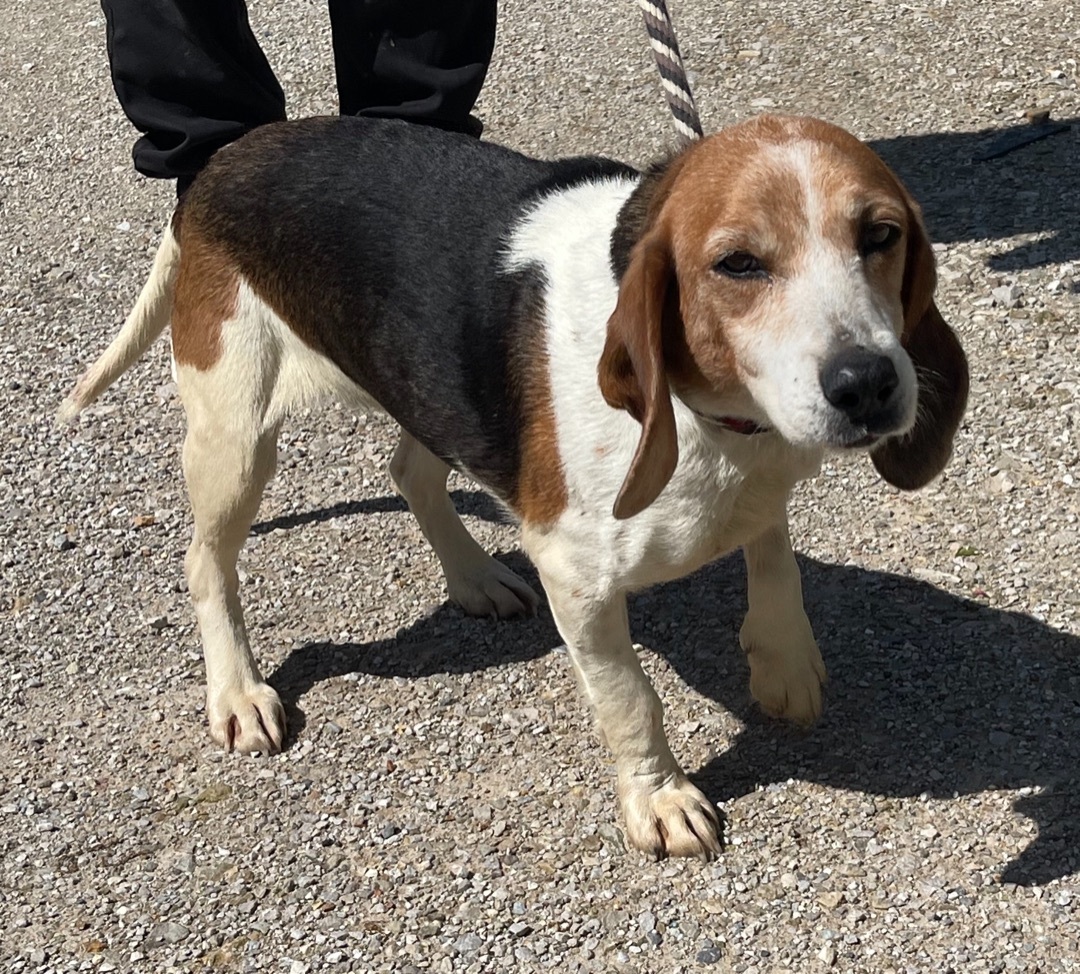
(1035, 188)
(928, 692)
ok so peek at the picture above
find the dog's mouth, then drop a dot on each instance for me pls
(861, 442)
(846, 435)
(865, 432)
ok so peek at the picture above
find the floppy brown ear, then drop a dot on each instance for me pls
(912, 461)
(632, 374)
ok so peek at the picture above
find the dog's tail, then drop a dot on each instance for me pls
(147, 320)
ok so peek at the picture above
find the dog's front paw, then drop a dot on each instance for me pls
(671, 819)
(787, 672)
(490, 589)
(247, 719)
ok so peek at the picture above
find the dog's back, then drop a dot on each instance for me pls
(381, 244)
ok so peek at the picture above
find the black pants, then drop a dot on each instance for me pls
(191, 76)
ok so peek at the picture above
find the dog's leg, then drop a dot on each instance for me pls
(665, 814)
(474, 580)
(786, 669)
(226, 468)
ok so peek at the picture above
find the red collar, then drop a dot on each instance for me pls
(733, 424)
(747, 427)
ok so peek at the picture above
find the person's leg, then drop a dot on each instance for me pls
(190, 75)
(421, 60)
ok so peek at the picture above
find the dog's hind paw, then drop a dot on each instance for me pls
(490, 589)
(247, 720)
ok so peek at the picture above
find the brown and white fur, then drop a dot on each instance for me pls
(639, 366)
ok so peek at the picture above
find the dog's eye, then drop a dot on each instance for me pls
(740, 264)
(879, 236)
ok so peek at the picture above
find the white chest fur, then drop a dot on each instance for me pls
(727, 488)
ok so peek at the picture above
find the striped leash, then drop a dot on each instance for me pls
(665, 47)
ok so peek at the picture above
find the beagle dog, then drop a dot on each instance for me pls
(640, 366)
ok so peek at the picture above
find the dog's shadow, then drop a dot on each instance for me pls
(474, 502)
(928, 692)
(443, 640)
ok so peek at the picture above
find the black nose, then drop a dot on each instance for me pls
(860, 383)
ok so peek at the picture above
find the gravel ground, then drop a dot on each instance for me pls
(444, 805)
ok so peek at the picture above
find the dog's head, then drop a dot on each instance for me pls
(778, 272)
